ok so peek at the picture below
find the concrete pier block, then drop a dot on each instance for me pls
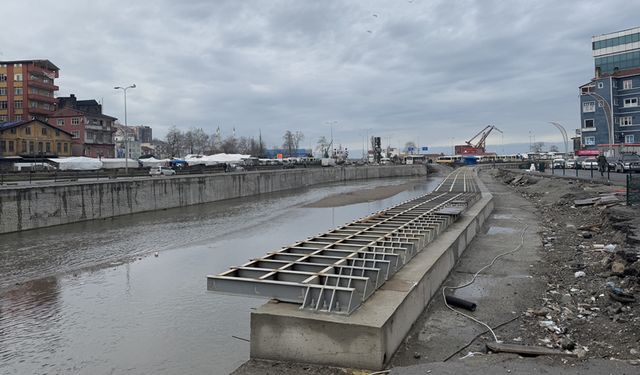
(369, 336)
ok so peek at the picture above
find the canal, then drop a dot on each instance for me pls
(92, 298)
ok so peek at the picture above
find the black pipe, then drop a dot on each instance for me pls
(459, 302)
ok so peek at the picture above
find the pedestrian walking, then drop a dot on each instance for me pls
(602, 164)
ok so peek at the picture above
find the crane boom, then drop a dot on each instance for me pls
(478, 147)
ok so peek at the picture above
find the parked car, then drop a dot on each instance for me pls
(590, 163)
(571, 163)
(628, 163)
(161, 171)
(559, 163)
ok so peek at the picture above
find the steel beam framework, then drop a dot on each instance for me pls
(337, 271)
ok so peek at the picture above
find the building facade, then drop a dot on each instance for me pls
(91, 129)
(122, 142)
(27, 89)
(143, 133)
(609, 110)
(33, 139)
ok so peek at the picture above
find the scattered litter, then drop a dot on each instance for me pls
(580, 274)
(471, 354)
(610, 248)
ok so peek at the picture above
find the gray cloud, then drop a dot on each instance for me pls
(427, 70)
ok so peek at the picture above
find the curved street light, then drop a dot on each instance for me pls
(564, 136)
(126, 126)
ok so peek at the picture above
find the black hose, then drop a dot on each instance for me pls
(459, 302)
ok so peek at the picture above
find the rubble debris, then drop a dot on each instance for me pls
(592, 274)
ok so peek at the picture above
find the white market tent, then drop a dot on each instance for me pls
(153, 162)
(215, 159)
(77, 163)
(118, 163)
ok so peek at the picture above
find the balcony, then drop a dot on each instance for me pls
(42, 98)
(42, 85)
(41, 111)
(42, 71)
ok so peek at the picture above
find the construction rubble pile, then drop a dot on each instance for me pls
(590, 241)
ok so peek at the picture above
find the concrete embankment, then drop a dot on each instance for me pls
(33, 207)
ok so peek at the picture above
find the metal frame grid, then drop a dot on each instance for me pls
(337, 271)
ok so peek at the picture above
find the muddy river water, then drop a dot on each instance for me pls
(91, 298)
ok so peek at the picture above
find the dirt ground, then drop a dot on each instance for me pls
(365, 195)
(590, 266)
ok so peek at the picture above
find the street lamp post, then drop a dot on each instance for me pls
(608, 115)
(565, 138)
(126, 126)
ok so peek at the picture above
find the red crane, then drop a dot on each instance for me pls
(477, 148)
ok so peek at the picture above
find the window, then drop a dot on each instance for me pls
(76, 120)
(18, 117)
(33, 104)
(76, 134)
(40, 148)
(17, 77)
(615, 84)
(588, 124)
(626, 120)
(3, 146)
(31, 147)
(13, 131)
(57, 132)
(48, 147)
(3, 118)
(629, 102)
(628, 84)
(60, 122)
(590, 141)
(3, 104)
(24, 146)
(589, 107)
(66, 147)
(3, 77)
(616, 102)
(600, 85)
(44, 131)
(27, 130)
(3, 91)
(629, 138)
(10, 146)
(58, 147)
(17, 91)
(18, 104)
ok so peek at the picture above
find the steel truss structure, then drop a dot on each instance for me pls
(337, 271)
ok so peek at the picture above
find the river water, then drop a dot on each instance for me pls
(91, 298)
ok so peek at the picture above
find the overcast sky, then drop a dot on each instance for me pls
(419, 70)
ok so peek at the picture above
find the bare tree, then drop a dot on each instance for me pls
(323, 146)
(537, 147)
(297, 138)
(175, 140)
(230, 145)
(553, 148)
(289, 142)
(200, 140)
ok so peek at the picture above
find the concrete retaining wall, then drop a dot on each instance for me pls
(24, 208)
